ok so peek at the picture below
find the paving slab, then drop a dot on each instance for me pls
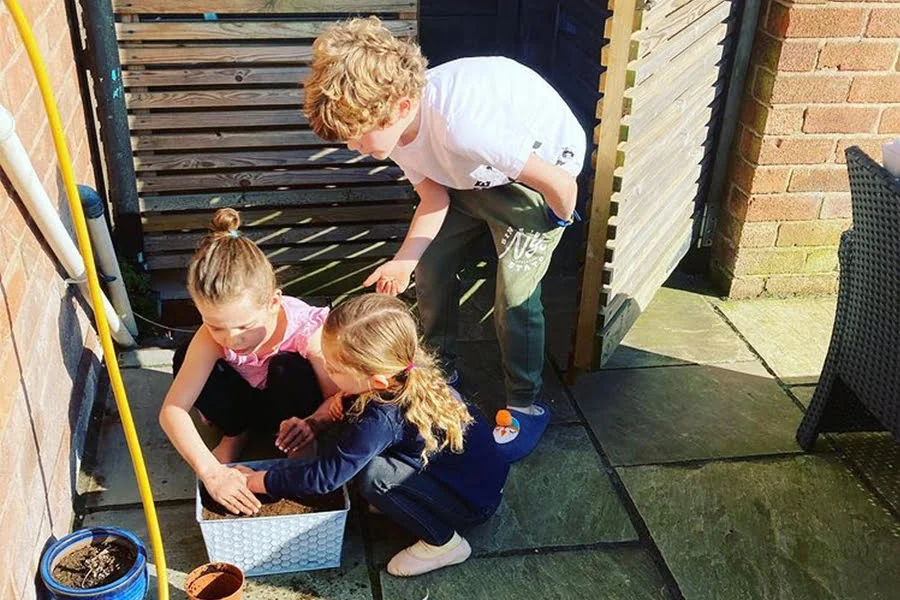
(877, 457)
(679, 327)
(146, 357)
(185, 551)
(620, 574)
(482, 378)
(109, 480)
(666, 414)
(798, 528)
(791, 335)
(559, 496)
(804, 393)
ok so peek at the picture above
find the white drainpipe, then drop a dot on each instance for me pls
(105, 255)
(17, 166)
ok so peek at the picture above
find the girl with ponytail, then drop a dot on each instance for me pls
(421, 456)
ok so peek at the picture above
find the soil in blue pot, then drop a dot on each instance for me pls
(95, 565)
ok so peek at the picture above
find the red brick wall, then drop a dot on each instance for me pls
(823, 76)
(49, 355)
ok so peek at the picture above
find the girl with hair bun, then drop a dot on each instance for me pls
(254, 366)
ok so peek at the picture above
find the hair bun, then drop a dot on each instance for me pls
(226, 220)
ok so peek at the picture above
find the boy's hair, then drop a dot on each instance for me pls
(359, 73)
(375, 334)
(227, 265)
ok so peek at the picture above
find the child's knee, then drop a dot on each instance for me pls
(374, 480)
(289, 364)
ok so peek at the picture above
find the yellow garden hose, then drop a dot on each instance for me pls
(84, 244)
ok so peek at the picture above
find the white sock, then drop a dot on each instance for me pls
(532, 409)
(422, 557)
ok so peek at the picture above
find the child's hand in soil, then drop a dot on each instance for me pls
(294, 434)
(228, 487)
(256, 480)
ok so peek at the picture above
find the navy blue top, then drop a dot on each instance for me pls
(477, 474)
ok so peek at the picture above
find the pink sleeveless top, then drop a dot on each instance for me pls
(302, 321)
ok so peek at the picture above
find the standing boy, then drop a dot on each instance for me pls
(490, 148)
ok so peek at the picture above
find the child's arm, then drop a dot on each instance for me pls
(357, 445)
(295, 433)
(317, 360)
(393, 277)
(558, 186)
(225, 485)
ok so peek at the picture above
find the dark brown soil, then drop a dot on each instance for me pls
(95, 565)
(271, 507)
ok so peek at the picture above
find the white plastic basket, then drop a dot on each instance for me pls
(278, 544)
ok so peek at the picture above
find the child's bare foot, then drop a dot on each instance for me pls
(229, 448)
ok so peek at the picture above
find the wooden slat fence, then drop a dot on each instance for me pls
(214, 92)
(667, 71)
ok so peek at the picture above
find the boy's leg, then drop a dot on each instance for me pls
(226, 401)
(524, 239)
(437, 282)
(424, 506)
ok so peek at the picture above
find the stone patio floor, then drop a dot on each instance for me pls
(672, 473)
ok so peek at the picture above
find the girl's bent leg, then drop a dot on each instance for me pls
(422, 505)
(414, 500)
(226, 400)
(292, 389)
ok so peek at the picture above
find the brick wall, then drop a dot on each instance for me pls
(823, 76)
(49, 354)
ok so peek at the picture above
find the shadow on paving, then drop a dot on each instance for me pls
(698, 489)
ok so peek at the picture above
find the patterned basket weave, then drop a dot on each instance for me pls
(282, 544)
(859, 389)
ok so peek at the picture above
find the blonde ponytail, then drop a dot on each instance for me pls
(375, 334)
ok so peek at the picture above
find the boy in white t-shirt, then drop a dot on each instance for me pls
(491, 149)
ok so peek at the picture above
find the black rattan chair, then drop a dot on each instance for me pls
(859, 389)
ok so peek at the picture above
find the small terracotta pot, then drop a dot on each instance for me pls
(215, 581)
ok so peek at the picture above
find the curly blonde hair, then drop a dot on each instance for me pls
(360, 71)
(374, 334)
(228, 265)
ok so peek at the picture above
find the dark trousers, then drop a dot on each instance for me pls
(524, 238)
(235, 406)
(416, 500)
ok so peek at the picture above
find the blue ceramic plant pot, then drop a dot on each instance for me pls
(131, 586)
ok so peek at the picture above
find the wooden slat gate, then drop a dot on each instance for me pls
(214, 96)
(668, 66)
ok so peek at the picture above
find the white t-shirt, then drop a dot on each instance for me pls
(480, 120)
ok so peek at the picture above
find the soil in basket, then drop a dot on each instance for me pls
(95, 565)
(271, 507)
